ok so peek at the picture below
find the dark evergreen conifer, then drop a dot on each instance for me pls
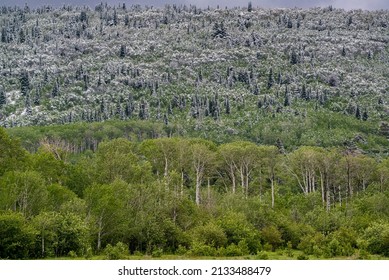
(293, 57)
(227, 105)
(270, 79)
(287, 97)
(343, 51)
(4, 36)
(122, 51)
(37, 97)
(83, 16)
(219, 30)
(55, 90)
(115, 18)
(358, 113)
(250, 7)
(22, 36)
(3, 98)
(304, 93)
(24, 83)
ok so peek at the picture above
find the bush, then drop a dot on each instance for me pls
(157, 253)
(237, 229)
(271, 235)
(72, 254)
(313, 244)
(233, 250)
(201, 249)
(117, 252)
(377, 238)
(262, 256)
(181, 250)
(302, 257)
(342, 242)
(211, 235)
(17, 240)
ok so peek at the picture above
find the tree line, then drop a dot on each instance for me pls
(190, 196)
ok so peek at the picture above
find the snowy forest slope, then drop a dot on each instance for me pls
(253, 72)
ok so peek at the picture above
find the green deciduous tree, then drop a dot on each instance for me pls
(202, 155)
(17, 238)
(24, 192)
(116, 159)
(106, 207)
(12, 155)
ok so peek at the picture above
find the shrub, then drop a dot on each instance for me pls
(16, 238)
(262, 256)
(313, 244)
(201, 249)
(181, 250)
(117, 252)
(271, 235)
(302, 257)
(157, 253)
(377, 237)
(211, 235)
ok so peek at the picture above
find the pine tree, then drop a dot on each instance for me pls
(54, 92)
(24, 83)
(287, 97)
(289, 24)
(28, 104)
(122, 53)
(165, 119)
(358, 113)
(227, 104)
(83, 16)
(256, 90)
(343, 51)
(219, 30)
(293, 58)
(22, 37)
(4, 36)
(250, 7)
(37, 97)
(115, 18)
(3, 98)
(304, 93)
(270, 80)
(86, 81)
(143, 110)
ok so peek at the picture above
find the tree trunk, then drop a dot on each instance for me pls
(232, 173)
(340, 196)
(182, 183)
(43, 245)
(99, 233)
(272, 192)
(242, 178)
(198, 184)
(328, 195)
(322, 189)
(165, 173)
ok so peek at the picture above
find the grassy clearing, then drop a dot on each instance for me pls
(263, 255)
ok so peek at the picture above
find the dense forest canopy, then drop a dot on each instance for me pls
(189, 196)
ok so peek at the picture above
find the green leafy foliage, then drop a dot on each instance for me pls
(325, 203)
(17, 238)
